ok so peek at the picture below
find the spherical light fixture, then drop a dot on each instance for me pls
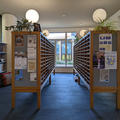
(82, 32)
(45, 32)
(99, 14)
(32, 16)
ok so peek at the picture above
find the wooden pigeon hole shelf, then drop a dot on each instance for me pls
(33, 61)
(84, 51)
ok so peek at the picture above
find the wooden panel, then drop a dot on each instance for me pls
(45, 65)
(82, 56)
(83, 65)
(104, 89)
(118, 71)
(91, 73)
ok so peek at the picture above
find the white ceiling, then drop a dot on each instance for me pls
(79, 12)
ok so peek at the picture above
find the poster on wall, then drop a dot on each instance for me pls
(20, 60)
(99, 60)
(31, 53)
(31, 40)
(33, 77)
(31, 65)
(111, 60)
(19, 75)
(104, 75)
(105, 42)
(19, 41)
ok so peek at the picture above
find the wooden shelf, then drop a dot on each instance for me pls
(82, 57)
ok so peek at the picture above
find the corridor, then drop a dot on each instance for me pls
(63, 100)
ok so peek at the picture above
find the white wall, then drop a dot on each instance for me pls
(64, 69)
(8, 20)
(115, 18)
(69, 29)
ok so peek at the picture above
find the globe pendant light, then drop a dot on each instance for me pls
(32, 16)
(99, 14)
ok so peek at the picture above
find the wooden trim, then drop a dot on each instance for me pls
(91, 72)
(78, 80)
(104, 89)
(118, 71)
(103, 32)
(54, 71)
(38, 72)
(13, 71)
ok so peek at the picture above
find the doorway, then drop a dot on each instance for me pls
(64, 43)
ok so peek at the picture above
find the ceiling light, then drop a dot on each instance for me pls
(32, 16)
(45, 32)
(99, 14)
(64, 15)
(82, 32)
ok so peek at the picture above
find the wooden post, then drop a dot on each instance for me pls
(13, 71)
(50, 80)
(118, 71)
(13, 99)
(91, 98)
(38, 99)
(91, 73)
(73, 72)
(79, 80)
(54, 71)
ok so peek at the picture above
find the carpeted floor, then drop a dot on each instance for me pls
(63, 100)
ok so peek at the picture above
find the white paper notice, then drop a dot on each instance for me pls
(20, 62)
(31, 53)
(111, 60)
(33, 77)
(104, 75)
(105, 42)
(24, 63)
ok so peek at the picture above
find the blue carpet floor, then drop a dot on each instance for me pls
(62, 100)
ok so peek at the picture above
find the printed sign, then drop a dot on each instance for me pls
(111, 60)
(105, 42)
(104, 75)
(31, 65)
(33, 77)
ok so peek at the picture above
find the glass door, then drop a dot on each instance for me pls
(60, 53)
(64, 48)
(70, 44)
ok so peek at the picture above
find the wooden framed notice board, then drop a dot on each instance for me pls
(97, 61)
(33, 61)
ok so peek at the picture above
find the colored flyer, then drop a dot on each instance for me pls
(31, 40)
(105, 42)
(19, 75)
(111, 60)
(19, 42)
(31, 65)
(104, 75)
